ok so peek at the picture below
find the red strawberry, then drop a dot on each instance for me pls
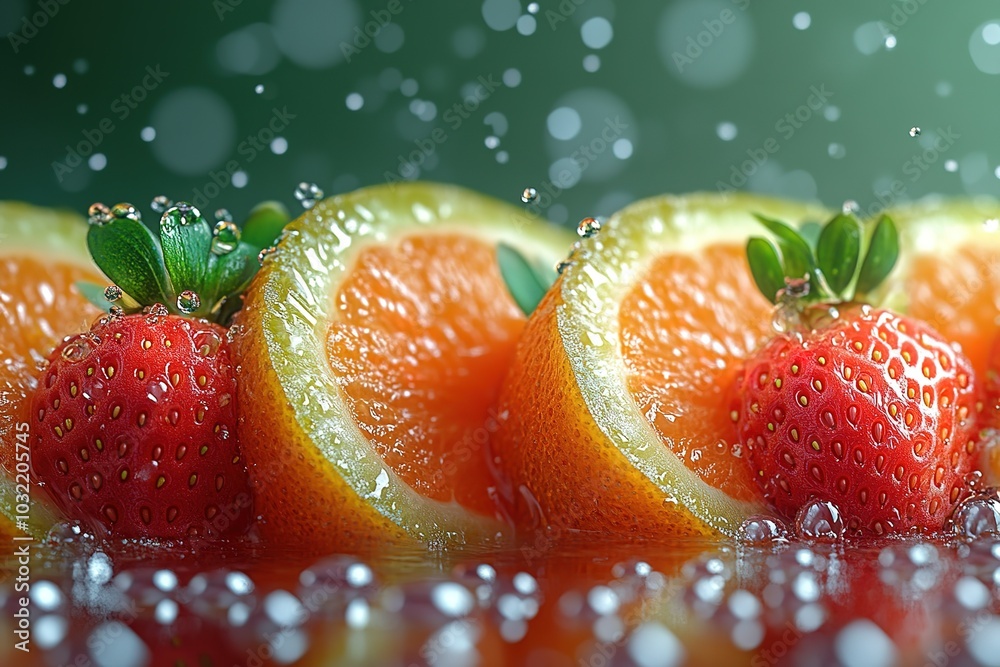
(135, 421)
(864, 408)
(135, 428)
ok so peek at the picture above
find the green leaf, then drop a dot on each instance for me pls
(265, 224)
(765, 266)
(523, 283)
(229, 273)
(128, 254)
(883, 251)
(796, 255)
(93, 293)
(838, 251)
(186, 238)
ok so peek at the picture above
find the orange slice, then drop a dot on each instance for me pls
(42, 254)
(617, 411)
(371, 350)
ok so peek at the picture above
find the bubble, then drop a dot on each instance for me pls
(29, 70)
(308, 194)
(79, 348)
(977, 516)
(869, 38)
(512, 77)
(622, 149)
(533, 7)
(726, 131)
(196, 130)
(914, 132)
(984, 642)
(588, 227)
(409, 87)
(259, 89)
(943, 89)
(59, 81)
(802, 20)
(831, 112)
(564, 123)
(762, 530)
(693, 53)
(984, 47)
(97, 161)
(3, 163)
(526, 25)
(81, 109)
(147, 134)
(591, 62)
(501, 15)
(491, 142)
(819, 520)
(836, 151)
(503, 157)
(113, 293)
(863, 644)
(390, 38)
(240, 179)
(249, 50)
(310, 32)
(653, 645)
(279, 145)
(596, 32)
(529, 195)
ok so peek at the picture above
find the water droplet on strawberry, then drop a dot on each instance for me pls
(763, 530)
(79, 347)
(207, 343)
(188, 301)
(977, 516)
(819, 520)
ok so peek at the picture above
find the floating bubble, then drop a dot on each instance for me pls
(225, 236)
(529, 195)
(914, 131)
(308, 194)
(188, 301)
(588, 227)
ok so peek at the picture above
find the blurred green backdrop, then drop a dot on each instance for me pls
(593, 102)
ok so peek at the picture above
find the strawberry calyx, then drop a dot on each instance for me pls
(191, 267)
(845, 264)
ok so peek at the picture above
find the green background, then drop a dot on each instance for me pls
(939, 74)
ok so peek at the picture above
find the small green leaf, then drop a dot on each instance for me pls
(883, 251)
(93, 293)
(265, 224)
(838, 251)
(523, 283)
(128, 254)
(796, 255)
(228, 273)
(186, 238)
(765, 266)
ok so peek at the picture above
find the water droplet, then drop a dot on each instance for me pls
(226, 237)
(79, 347)
(819, 520)
(563, 265)
(161, 203)
(850, 207)
(188, 213)
(124, 210)
(762, 530)
(264, 254)
(308, 194)
(588, 227)
(188, 301)
(977, 516)
(98, 214)
(529, 195)
(112, 293)
(259, 89)
(915, 131)
(223, 214)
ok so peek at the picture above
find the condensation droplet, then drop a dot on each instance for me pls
(308, 194)
(225, 237)
(98, 214)
(763, 530)
(160, 204)
(588, 227)
(819, 520)
(915, 131)
(529, 195)
(188, 301)
(113, 293)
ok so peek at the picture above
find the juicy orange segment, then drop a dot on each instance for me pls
(424, 335)
(684, 331)
(371, 350)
